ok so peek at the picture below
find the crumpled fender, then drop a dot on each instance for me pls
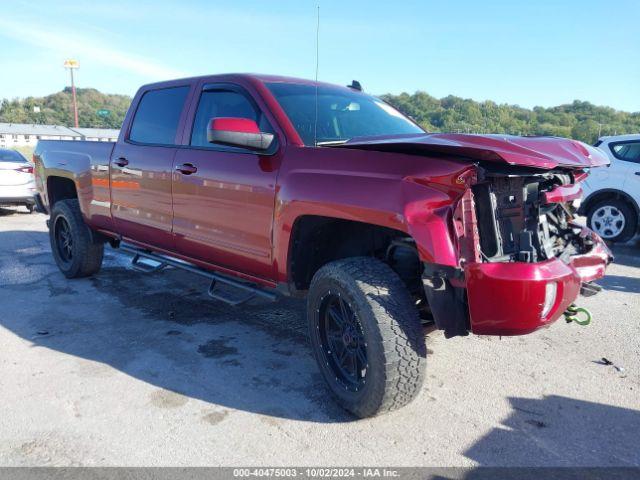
(389, 190)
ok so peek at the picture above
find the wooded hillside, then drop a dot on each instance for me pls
(581, 120)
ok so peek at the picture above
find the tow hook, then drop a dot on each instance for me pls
(572, 312)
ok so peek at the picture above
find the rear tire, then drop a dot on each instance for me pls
(613, 219)
(72, 245)
(383, 318)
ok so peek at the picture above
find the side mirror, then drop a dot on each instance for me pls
(238, 132)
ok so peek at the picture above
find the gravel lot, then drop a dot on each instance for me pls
(143, 369)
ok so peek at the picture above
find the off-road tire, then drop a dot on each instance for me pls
(629, 213)
(87, 254)
(395, 342)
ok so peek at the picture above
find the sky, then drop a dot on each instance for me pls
(529, 53)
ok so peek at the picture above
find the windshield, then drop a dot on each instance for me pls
(342, 114)
(11, 156)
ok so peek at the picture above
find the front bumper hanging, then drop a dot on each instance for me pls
(514, 298)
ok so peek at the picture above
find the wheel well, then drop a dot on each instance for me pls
(316, 241)
(60, 188)
(600, 195)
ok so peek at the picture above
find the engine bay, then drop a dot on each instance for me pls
(515, 222)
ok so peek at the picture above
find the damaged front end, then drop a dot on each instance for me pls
(523, 257)
(528, 217)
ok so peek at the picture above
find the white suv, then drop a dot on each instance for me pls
(612, 195)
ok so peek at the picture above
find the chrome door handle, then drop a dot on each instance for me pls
(186, 168)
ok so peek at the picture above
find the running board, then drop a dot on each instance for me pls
(250, 291)
(139, 266)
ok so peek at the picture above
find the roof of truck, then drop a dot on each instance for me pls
(263, 78)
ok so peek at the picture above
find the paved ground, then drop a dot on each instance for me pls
(133, 369)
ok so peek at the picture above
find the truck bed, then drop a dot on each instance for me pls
(86, 164)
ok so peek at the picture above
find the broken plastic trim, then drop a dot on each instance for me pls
(447, 302)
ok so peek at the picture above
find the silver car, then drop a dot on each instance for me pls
(17, 185)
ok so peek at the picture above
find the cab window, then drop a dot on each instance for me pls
(223, 103)
(157, 117)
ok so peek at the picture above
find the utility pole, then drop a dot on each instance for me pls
(73, 65)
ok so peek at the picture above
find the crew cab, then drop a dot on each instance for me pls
(293, 187)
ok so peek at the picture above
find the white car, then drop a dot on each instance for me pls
(17, 184)
(612, 195)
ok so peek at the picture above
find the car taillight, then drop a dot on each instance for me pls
(27, 169)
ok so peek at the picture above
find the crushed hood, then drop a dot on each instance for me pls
(537, 152)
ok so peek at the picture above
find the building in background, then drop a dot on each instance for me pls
(97, 134)
(14, 135)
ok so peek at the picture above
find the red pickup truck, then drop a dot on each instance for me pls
(273, 185)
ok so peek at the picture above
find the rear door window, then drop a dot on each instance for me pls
(627, 151)
(157, 117)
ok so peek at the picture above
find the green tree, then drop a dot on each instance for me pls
(56, 109)
(580, 120)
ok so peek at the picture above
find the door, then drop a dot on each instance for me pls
(141, 169)
(223, 197)
(628, 153)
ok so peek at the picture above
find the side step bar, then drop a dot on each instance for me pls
(145, 268)
(250, 291)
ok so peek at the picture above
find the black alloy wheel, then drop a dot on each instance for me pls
(64, 239)
(343, 342)
(77, 250)
(366, 335)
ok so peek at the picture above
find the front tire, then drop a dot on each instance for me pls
(613, 219)
(366, 335)
(72, 245)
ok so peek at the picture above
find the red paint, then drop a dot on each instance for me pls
(580, 176)
(541, 152)
(377, 188)
(223, 214)
(562, 194)
(241, 125)
(141, 201)
(507, 298)
(592, 265)
(236, 210)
